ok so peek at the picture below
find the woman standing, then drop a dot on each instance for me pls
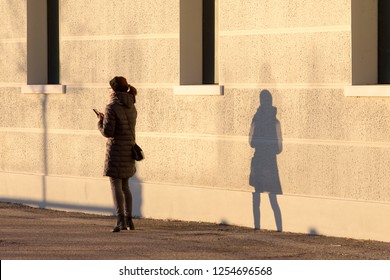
(118, 125)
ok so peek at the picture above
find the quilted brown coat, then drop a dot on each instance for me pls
(118, 125)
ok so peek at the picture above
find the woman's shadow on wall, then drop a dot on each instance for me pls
(265, 137)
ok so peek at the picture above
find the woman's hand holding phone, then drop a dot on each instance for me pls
(98, 114)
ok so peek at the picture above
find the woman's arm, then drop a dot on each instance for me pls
(106, 124)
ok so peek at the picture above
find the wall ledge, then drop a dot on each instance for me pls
(45, 89)
(367, 91)
(198, 90)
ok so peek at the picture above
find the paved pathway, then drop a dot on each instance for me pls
(31, 233)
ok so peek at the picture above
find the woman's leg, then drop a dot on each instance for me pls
(128, 203)
(117, 195)
(128, 198)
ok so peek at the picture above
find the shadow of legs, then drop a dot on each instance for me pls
(275, 207)
(256, 209)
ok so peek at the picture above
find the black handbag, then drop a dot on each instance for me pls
(138, 154)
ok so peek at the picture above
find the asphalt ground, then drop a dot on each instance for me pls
(28, 233)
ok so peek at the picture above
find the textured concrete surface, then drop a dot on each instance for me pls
(105, 17)
(31, 233)
(13, 22)
(255, 14)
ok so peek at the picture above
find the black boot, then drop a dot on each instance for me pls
(120, 224)
(129, 222)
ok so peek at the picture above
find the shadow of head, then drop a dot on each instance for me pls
(265, 98)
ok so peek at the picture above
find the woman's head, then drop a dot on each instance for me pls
(119, 84)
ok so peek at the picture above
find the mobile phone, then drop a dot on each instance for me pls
(96, 112)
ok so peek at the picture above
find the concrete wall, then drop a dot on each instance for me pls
(208, 158)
